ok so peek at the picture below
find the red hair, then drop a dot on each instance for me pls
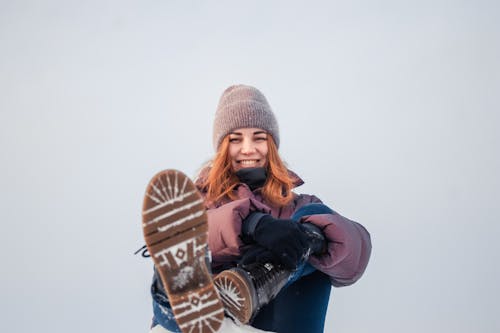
(221, 180)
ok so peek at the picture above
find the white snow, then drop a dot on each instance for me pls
(228, 326)
(185, 275)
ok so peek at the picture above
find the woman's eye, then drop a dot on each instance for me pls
(233, 140)
(262, 138)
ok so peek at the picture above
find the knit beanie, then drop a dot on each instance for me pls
(242, 106)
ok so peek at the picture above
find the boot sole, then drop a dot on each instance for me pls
(176, 232)
(236, 295)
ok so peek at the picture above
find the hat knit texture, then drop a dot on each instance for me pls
(242, 106)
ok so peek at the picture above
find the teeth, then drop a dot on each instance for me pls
(248, 162)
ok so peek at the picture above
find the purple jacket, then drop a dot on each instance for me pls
(349, 244)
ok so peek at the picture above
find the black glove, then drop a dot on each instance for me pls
(258, 253)
(285, 238)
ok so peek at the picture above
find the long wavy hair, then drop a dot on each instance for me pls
(221, 179)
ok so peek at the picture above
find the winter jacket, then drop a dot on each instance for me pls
(349, 244)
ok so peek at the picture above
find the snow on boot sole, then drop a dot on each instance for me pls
(176, 231)
(237, 294)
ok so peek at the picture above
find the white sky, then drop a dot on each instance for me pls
(389, 110)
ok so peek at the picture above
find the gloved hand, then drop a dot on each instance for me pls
(284, 238)
(258, 253)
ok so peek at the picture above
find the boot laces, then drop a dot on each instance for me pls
(145, 252)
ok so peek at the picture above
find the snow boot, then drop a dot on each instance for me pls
(246, 288)
(176, 231)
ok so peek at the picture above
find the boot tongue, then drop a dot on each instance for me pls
(253, 177)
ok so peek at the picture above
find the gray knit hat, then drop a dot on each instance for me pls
(243, 106)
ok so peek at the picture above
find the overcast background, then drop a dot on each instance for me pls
(389, 110)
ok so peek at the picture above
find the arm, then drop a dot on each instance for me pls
(349, 247)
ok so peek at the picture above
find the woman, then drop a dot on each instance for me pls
(274, 254)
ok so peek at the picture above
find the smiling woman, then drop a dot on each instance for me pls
(248, 148)
(274, 254)
(244, 152)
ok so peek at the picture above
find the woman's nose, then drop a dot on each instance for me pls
(247, 147)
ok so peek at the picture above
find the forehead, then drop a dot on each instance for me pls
(248, 131)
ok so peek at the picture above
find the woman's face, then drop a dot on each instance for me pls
(248, 148)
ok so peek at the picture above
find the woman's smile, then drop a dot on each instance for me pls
(248, 163)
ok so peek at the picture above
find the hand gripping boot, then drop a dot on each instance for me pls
(245, 289)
